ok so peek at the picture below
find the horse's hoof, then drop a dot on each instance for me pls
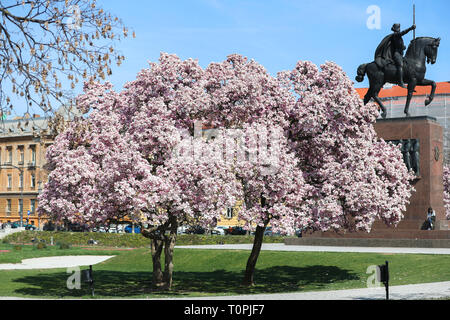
(407, 115)
(384, 115)
(427, 102)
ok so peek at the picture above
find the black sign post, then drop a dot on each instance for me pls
(89, 278)
(383, 276)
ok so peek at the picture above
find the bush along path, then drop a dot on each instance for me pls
(126, 240)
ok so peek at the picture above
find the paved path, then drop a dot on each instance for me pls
(406, 292)
(283, 247)
(55, 262)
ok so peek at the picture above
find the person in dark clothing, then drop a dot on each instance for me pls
(391, 48)
(429, 222)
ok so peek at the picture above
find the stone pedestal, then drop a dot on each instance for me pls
(428, 184)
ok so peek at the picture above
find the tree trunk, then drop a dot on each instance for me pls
(251, 262)
(168, 253)
(157, 247)
(156, 236)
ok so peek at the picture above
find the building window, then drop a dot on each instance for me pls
(33, 155)
(8, 207)
(32, 206)
(229, 214)
(21, 155)
(33, 180)
(10, 155)
(20, 206)
(21, 180)
(9, 181)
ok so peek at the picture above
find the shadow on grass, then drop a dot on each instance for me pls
(131, 284)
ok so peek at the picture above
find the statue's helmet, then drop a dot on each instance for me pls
(396, 27)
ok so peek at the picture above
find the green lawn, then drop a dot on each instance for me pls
(215, 272)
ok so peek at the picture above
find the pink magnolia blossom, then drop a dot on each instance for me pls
(355, 177)
(119, 161)
(241, 91)
(446, 178)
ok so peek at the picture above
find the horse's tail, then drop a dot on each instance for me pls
(361, 72)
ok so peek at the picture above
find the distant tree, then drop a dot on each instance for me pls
(48, 46)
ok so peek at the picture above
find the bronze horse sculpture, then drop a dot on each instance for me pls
(420, 51)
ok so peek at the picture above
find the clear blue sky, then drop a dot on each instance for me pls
(275, 33)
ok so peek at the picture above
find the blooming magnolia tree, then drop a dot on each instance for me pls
(121, 161)
(446, 178)
(355, 177)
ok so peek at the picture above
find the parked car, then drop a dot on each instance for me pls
(121, 228)
(182, 230)
(76, 227)
(30, 227)
(269, 232)
(15, 224)
(219, 230)
(99, 229)
(113, 229)
(129, 229)
(298, 232)
(235, 231)
(50, 226)
(195, 230)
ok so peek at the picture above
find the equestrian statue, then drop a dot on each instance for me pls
(390, 66)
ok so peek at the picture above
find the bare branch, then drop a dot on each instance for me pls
(47, 47)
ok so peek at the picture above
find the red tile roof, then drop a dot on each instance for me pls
(396, 91)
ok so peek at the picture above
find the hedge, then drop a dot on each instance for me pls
(127, 240)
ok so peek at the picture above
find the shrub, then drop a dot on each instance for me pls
(129, 240)
(17, 248)
(41, 245)
(64, 245)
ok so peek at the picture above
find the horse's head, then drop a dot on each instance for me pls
(431, 50)
(424, 47)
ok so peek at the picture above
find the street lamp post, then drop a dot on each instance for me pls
(38, 140)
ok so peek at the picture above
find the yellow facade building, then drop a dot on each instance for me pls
(23, 143)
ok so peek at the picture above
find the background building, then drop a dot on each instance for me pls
(23, 143)
(394, 99)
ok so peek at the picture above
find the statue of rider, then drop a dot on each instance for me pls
(391, 48)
